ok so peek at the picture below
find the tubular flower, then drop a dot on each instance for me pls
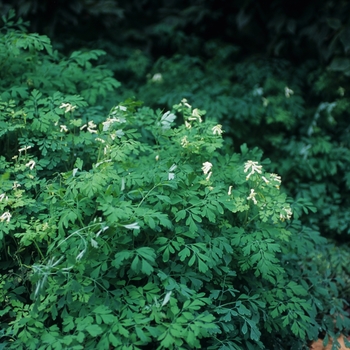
(206, 167)
(15, 185)
(91, 127)
(277, 179)
(287, 214)
(68, 107)
(3, 196)
(24, 148)
(184, 142)
(63, 128)
(252, 196)
(5, 216)
(265, 179)
(31, 164)
(253, 167)
(217, 129)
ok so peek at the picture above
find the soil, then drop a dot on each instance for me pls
(318, 345)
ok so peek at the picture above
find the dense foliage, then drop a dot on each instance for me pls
(129, 227)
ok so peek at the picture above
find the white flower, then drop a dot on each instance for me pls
(206, 167)
(208, 177)
(195, 115)
(252, 196)
(157, 77)
(91, 127)
(184, 142)
(229, 191)
(63, 128)
(15, 185)
(287, 214)
(184, 101)
(100, 140)
(265, 179)
(31, 164)
(253, 167)
(83, 127)
(276, 178)
(288, 92)
(3, 196)
(24, 148)
(133, 226)
(68, 107)
(5, 216)
(217, 129)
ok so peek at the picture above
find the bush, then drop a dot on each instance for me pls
(123, 230)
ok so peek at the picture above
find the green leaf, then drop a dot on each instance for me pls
(94, 330)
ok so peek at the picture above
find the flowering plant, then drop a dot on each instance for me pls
(139, 228)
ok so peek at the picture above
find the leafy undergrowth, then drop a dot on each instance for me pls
(139, 228)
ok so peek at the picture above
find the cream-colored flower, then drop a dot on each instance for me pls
(229, 190)
(287, 214)
(217, 129)
(184, 101)
(15, 185)
(208, 176)
(5, 216)
(24, 148)
(276, 177)
(31, 164)
(157, 77)
(253, 167)
(252, 196)
(184, 142)
(68, 107)
(206, 167)
(288, 92)
(63, 128)
(195, 115)
(3, 196)
(265, 179)
(91, 127)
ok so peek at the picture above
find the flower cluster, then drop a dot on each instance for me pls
(217, 129)
(68, 107)
(5, 216)
(206, 169)
(252, 167)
